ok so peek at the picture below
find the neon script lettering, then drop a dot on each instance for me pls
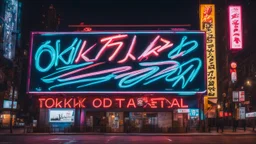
(119, 58)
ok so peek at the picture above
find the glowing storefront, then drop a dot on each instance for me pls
(117, 81)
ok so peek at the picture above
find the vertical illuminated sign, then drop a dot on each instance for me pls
(207, 24)
(10, 26)
(235, 27)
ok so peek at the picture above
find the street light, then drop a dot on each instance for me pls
(218, 106)
(248, 83)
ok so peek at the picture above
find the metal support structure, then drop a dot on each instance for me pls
(13, 96)
(137, 26)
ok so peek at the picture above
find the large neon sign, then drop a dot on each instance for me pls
(117, 102)
(117, 62)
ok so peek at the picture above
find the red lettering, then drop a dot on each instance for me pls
(75, 104)
(67, 103)
(46, 103)
(110, 43)
(129, 53)
(41, 102)
(168, 103)
(155, 50)
(82, 54)
(154, 102)
(120, 102)
(162, 103)
(94, 103)
(81, 103)
(57, 103)
(104, 103)
(131, 103)
(182, 105)
(175, 102)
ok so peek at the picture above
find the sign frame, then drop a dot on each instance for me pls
(115, 91)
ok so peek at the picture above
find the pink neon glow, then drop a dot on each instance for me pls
(30, 60)
(109, 44)
(116, 92)
(235, 27)
(156, 50)
(146, 52)
(78, 70)
(159, 63)
(83, 55)
(80, 52)
(164, 71)
(167, 45)
(134, 72)
(129, 54)
(124, 68)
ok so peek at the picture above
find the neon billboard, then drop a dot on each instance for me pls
(117, 62)
(235, 27)
(207, 24)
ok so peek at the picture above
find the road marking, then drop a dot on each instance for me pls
(110, 138)
(56, 139)
(169, 140)
(72, 141)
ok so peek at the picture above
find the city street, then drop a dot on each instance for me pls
(101, 139)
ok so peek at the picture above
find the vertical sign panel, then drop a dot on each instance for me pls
(235, 27)
(207, 23)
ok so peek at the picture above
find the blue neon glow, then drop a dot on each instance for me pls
(45, 48)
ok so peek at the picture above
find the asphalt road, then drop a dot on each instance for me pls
(101, 139)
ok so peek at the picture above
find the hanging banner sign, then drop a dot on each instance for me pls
(235, 27)
(207, 24)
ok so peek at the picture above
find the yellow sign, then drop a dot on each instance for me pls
(206, 106)
(207, 24)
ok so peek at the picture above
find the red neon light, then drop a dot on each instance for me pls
(58, 103)
(105, 103)
(67, 103)
(129, 53)
(175, 102)
(120, 100)
(82, 54)
(235, 27)
(182, 105)
(94, 101)
(153, 103)
(41, 102)
(46, 103)
(110, 44)
(151, 50)
(131, 103)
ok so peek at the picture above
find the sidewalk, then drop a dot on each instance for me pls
(213, 132)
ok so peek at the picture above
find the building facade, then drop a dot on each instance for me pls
(117, 81)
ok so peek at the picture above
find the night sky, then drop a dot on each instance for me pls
(113, 12)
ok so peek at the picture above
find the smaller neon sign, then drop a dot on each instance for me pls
(235, 27)
(114, 102)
